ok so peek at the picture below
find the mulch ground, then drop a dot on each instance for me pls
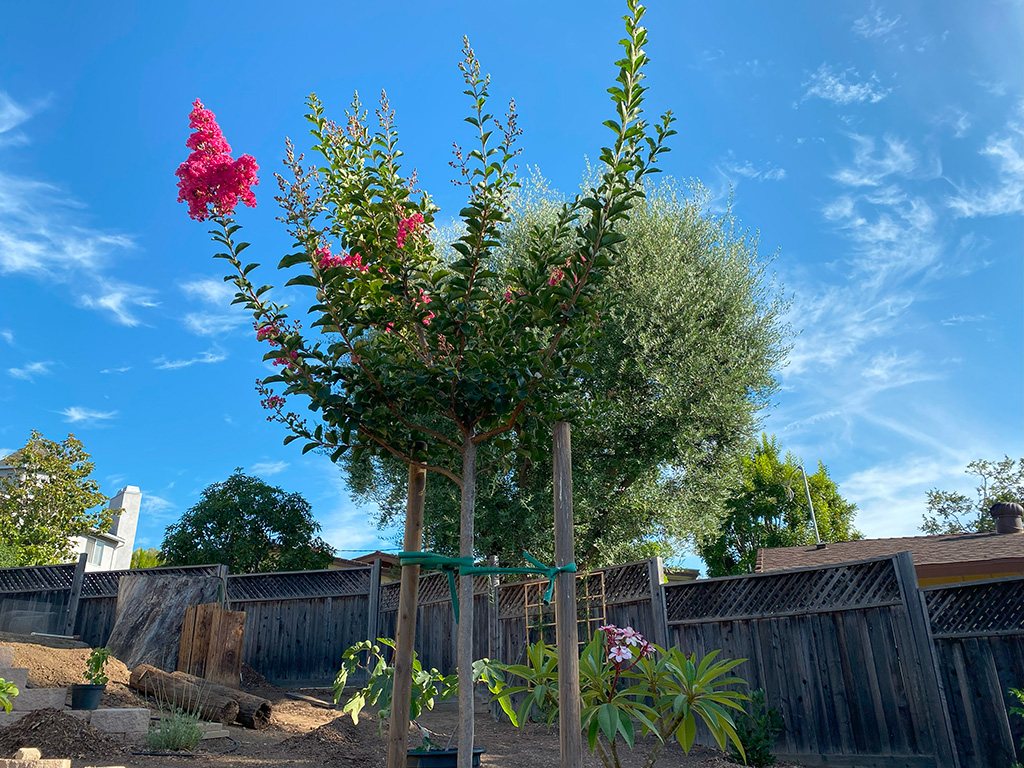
(56, 735)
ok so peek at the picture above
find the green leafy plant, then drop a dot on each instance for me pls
(177, 728)
(1018, 693)
(628, 685)
(95, 665)
(759, 730)
(428, 685)
(7, 692)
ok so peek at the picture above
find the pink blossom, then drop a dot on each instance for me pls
(619, 654)
(273, 402)
(630, 636)
(508, 295)
(355, 261)
(430, 316)
(326, 259)
(409, 226)
(557, 274)
(267, 331)
(210, 177)
(356, 359)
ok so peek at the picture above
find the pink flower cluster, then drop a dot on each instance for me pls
(267, 332)
(273, 402)
(409, 226)
(619, 642)
(326, 260)
(210, 177)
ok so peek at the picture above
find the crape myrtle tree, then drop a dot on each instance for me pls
(768, 508)
(407, 349)
(683, 364)
(47, 500)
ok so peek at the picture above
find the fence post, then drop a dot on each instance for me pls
(373, 611)
(656, 577)
(494, 627)
(222, 574)
(924, 649)
(75, 596)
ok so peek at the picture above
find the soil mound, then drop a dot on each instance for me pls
(339, 743)
(56, 735)
(52, 666)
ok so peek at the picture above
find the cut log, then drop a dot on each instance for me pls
(185, 694)
(253, 711)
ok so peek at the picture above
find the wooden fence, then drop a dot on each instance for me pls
(866, 669)
(978, 631)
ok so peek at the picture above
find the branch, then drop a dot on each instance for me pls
(409, 459)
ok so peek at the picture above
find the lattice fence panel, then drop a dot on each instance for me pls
(834, 588)
(285, 586)
(39, 578)
(977, 609)
(627, 583)
(105, 583)
(389, 594)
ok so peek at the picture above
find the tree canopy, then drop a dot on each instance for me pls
(669, 393)
(48, 499)
(768, 508)
(249, 526)
(951, 512)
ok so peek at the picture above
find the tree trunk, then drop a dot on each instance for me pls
(405, 636)
(174, 691)
(566, 628)
(467, 706)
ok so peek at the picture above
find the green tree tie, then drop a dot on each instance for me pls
(432, 561)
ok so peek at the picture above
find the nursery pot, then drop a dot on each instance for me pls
(438, 758)
(86, 696)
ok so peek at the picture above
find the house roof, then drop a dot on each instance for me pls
(386, 558)
(927, 550)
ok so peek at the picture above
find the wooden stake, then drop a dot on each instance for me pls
(405, 641)
(467, 699)
(570, 732)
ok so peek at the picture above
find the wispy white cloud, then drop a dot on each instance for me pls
(875, 25)
(44, 236)
(11, 116)
(964, 319)
(269, 467)
(209, 356)
(1006, 194)
(7, 335)
(216, 293)
(956, 118)
(210, 290)
(86, 416)
(156, 507)
(29, 371)
(870, 168)
(748, 170)
(844, 86)
(122, 369)
(119, 299)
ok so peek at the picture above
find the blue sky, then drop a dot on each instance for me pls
(877, 147)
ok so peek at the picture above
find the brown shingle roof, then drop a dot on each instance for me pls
(958, 548)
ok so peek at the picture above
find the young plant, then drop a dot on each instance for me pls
(1019, 712)
(628, 685)
(8, 691)
(95, 665)
(177, 728)
(759, 730)
(428, 685)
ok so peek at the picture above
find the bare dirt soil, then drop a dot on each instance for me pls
(301, 734)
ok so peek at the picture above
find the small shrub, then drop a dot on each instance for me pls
(759, 730)
(1019, 711)
(176, 730)
(95, 665)
(7, 692)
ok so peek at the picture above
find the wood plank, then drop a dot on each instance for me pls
(227, 638)
(188, 628)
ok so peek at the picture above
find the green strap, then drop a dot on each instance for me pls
(465, 567)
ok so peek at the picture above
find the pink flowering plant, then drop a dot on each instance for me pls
(416, 349)
(629, 685)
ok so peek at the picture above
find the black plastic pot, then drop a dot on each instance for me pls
(438, 758)
(86, 696)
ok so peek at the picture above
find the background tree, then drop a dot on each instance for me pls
(249, 526)
(672, 385)
(146, 558)
(48, 499)
(950, 512)
(769, 509)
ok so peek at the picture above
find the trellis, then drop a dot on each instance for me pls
(978, 609)
(863, 584)
(540, 616)
(299, 584)
(38, 578)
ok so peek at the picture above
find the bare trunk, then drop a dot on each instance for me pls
(405, 640)
(466, 688)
